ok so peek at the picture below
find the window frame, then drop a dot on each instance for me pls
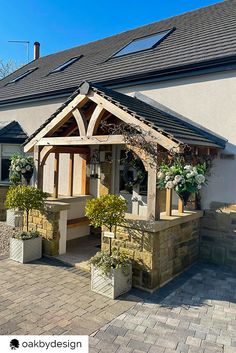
(66, 64)
(167, 33)
(20, 77)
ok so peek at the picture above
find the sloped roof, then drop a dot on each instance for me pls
(12, 132)
(201, 37)
(170, 125)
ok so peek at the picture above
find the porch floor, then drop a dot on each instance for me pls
(79, 251)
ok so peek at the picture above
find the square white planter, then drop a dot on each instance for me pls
(25, 250)
(112, 285)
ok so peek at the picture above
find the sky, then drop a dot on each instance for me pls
(62, 24)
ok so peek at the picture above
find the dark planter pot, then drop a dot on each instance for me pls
(184, 196)
(27, 176)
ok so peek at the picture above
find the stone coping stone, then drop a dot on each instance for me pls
(70, 199)
(54, 206)
(165, 222)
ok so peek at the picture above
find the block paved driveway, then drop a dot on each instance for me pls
(195, 313)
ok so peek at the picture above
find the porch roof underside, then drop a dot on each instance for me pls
(167, 124)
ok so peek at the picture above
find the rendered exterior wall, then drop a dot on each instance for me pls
(209, 100)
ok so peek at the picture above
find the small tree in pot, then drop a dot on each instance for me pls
(25, 246)
(111, 271)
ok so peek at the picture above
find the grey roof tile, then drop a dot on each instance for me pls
(201, 35)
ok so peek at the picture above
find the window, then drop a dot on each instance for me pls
(26, 73)
(66, 64)
(143, 43)
(6, 151)
(5, 165)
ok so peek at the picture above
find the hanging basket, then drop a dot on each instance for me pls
(184, 196)
(27, 176)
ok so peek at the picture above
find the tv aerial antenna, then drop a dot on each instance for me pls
(25, 42)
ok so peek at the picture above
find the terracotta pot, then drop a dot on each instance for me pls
(184, 196)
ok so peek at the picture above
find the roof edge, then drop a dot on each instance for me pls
(175, 72)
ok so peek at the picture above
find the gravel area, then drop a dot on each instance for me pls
(5, 233)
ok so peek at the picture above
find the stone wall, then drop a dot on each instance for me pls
(159, 250)
(218, 234)
(3, 192)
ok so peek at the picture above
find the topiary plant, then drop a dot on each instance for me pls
(25, 198)
(107, 210)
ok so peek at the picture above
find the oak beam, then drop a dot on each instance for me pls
(80, 141)
(180, 206)
(83, 175)
(95, 120)
(153, 210)
(56, 175)
(81, 121)
(71, 174)
(168, 202)
(56, 122)
(130, 119)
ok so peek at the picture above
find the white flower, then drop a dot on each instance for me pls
(28, 167)
(200, 179)
(178, 178)
(168, 177)
(160, 175)
(188, 167)
(199, 187)
(18, 169)
(188, 175)
(169, 185)
(23, 170)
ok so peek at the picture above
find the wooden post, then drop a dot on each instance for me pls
(38, 179)
(168, 202)
(153, 210)
(56, 174)
(180, 206)
(71, 174)
(83, 175)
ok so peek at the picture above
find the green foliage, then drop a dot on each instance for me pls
(25, 198)
(27, 235)
(107, 210)
(105, 262)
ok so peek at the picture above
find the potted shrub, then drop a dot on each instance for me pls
(111, 272)
(21, 166)
(26, 245)
(111, 275)
(184, 179)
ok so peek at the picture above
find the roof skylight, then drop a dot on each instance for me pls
(144, 43)
(26, 73)
(66, 64)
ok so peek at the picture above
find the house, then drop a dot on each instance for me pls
(175, 77)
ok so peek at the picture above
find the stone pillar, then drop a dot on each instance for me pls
(52, 226)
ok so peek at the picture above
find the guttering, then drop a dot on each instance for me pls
(204, 67)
